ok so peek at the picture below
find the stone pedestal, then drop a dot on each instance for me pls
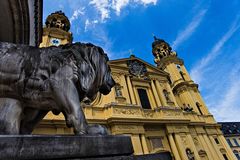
(41, 147)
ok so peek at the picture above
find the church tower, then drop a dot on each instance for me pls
(56, 30)
(185, 90)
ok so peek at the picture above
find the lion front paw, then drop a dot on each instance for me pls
(82, 132)
(97, 130)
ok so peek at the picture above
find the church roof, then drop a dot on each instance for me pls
(230, 128)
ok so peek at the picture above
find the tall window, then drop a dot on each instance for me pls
(169, 80)
(225, 157)
(216, 140)
(180, 71)
(229, 142)
(236, 154)
(199, 108)
(144, 98)
(235, 141)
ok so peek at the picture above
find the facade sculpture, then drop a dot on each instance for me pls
(35, 81)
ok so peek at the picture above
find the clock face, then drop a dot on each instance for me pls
(55, 41)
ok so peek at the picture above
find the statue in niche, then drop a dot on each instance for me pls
(166, 95)
(190, 154)
(187, 108)
(35, 81)
(118, 89)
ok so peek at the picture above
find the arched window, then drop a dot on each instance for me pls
(180, 71)
(199, 108)
(178, 67)
(169, 80)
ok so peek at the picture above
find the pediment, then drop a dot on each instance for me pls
(136, 66)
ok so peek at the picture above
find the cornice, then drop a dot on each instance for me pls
(184, 86)
(169, 59)
(58, 33)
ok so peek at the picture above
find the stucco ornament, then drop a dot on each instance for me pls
(137, 69)
(35, 81)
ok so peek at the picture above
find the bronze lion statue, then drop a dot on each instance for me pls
(34, 81)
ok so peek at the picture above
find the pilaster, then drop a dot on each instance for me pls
(160, 93)
(173, 147)
(227, 147)
(130, 89)
(156, 96)
(180, 147)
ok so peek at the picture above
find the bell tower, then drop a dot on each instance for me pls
(56, 30)
(185, 90)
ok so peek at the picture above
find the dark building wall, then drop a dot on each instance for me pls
(20, 21)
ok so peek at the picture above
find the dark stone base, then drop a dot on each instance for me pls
(157, 156)
(41, 147)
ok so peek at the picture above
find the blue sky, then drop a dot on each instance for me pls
(205, 33)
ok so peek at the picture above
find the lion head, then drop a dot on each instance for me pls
(93, 71)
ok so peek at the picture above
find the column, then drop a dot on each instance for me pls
(160, 93)
(196, 155)
(172, 70)
(173, 147)
(180, 147)
(137, 98)
(171, 93)
(187, 77)
(125, 88)
(209, 154)
(130, 88)
(211, 147)
(144, 144)
(227, 147)
(216, 147)
(137, 146)
(155, 94)
(202, 103)
(151, 96)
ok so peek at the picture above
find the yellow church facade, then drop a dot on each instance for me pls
(159, 107)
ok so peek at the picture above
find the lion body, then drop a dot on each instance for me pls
(50, 79)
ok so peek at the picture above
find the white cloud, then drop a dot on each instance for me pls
(221, 80)
(190, 29)
(89, 23)
(117, 5)
(76, 14)
(146, 2)
(228, 108)
(198, 71)
(103, 7)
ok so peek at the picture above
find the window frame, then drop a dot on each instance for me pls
(148, 97)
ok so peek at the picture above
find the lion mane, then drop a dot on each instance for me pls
(52, 79)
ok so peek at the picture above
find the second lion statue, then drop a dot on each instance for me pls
(34, 81)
